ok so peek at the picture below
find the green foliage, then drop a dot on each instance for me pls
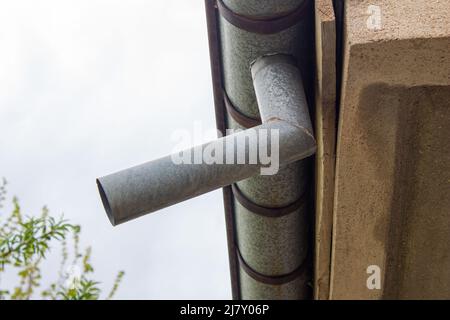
(24, 244)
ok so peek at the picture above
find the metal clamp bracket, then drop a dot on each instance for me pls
(263, 25)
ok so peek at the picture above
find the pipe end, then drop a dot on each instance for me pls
(105, 202)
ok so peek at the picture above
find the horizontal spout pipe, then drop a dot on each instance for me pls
(284, 136)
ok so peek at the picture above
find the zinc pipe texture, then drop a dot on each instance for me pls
(160, 183)
(240, 47)
(269, 246)
(275, 246)
(256, 290)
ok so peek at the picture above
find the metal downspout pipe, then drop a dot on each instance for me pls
(271, 213)
(160, 183)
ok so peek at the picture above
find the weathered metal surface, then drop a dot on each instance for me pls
(275, 246)
(279, 190)
(262, 9)
(266, 24)
(157, 184)
(240, 48)
(256, 290)
(237, 116)
(272, 246)
(280, 92)
(271, 212)
(283, 188)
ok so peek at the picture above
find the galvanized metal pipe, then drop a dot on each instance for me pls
(279, 91)
(157, 184)
(240, 47)
(269, 246)
(276, 246)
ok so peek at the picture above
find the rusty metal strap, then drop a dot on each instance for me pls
(265, 211)
(238, 116)
(263, 25)
(301, 271)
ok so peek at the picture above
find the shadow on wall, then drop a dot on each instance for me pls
(407, 132)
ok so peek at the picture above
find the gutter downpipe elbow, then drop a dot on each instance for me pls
(133, 192)
(280, 96)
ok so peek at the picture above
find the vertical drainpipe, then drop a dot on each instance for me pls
(272, 213)
(270, 239)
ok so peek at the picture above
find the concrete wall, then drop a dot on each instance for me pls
(392, 189)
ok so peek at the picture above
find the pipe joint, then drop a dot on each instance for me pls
(160, 183)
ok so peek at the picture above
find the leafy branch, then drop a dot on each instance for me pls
(25, 243)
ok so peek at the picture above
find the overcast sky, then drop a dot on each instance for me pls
(90, 87)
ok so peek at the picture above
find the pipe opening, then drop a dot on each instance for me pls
(105, 202)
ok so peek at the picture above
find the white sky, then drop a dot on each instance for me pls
(89, 87)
